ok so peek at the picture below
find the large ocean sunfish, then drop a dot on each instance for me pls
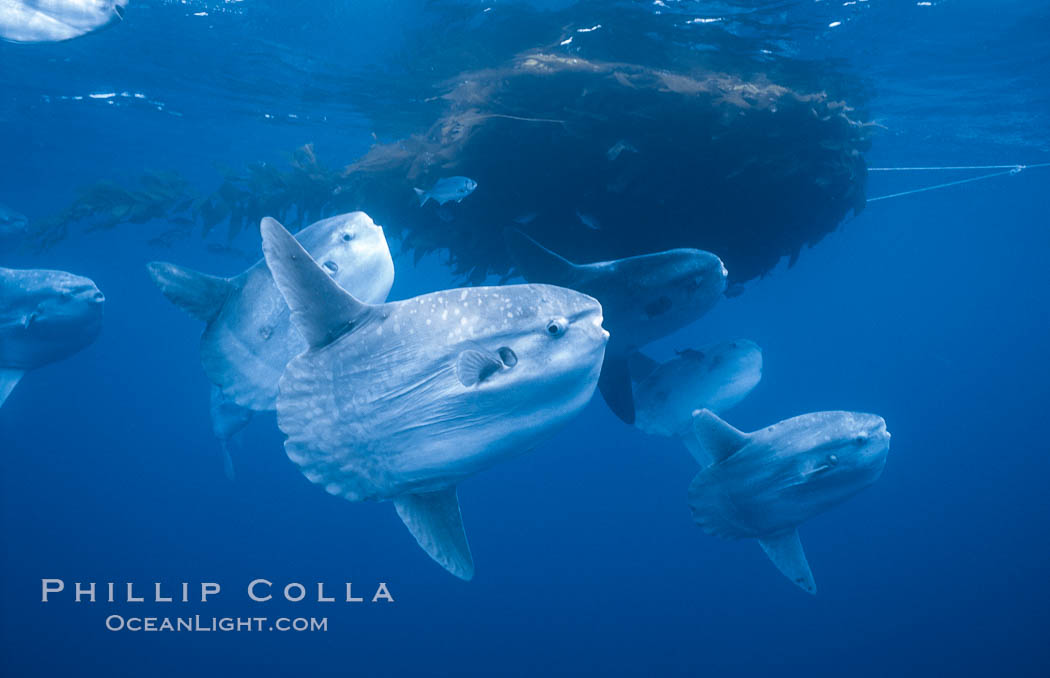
(45, 316)
(402, 401)
(56, 20)
(249, 336)
(763, 485)
(644, 298)
(715, 377)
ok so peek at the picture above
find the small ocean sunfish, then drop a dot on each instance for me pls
(45, 316)
(56, 20)
(447, 190)
(249, 336)
(644, 298)
(763, 485)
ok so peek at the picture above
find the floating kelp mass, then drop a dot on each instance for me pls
(597, 158)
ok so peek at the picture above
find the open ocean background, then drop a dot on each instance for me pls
(931, 310)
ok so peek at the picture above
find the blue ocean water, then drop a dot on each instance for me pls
(930, 310)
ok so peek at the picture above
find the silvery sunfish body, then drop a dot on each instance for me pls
(643, 298)
(763, 485)
(56, 20)
(401, 401)
(447, 190)
(12, 227)
(249, 336)
(716, 377)
(45, 316)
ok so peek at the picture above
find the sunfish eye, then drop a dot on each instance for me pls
(332, 266)
(509, 358)
(557, 326)
(347, 237)
(832, 460)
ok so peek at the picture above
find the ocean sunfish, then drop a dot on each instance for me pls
(402, 401)
(13, 227)
(763, 485)
(448, 189)
(56, 20)
(249, 336)
(45, 316)
(644, 298)
(716, 378)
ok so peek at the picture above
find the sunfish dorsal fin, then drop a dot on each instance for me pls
(321, 310)
(537, 263)
(199, 294)
(8, 380)
(785, 550)
(435, 521)
(717, 440)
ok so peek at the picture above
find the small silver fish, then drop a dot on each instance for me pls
(619, 147)
(589, 221)
(447, 190)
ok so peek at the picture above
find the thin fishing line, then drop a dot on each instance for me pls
(923, 169)
(1010, 170)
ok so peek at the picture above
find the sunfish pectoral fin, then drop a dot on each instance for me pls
(199, 294)
(8, 380)
(536, 263)
(716, 439)
(785, 550)
(321, 310)
(615, 386)
(474, 367)
(435, 521)
(422, 195)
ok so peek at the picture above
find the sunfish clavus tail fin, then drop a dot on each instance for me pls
(8, 380)
(199, 294)
(536, 263)
(785, 550)
(321, 310)
(434, 519)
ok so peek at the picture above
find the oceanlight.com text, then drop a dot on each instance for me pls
(197, 623)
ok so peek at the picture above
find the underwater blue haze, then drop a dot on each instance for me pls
(930, 309)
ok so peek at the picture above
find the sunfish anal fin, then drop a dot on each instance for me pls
(474, 367)
(615, 386)
(321, 310)
(227, 460)
(536, 263)
(199, 294)
(8, 380)
(785, 550)
(641, 366)
(717, 440)
(435, 521)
